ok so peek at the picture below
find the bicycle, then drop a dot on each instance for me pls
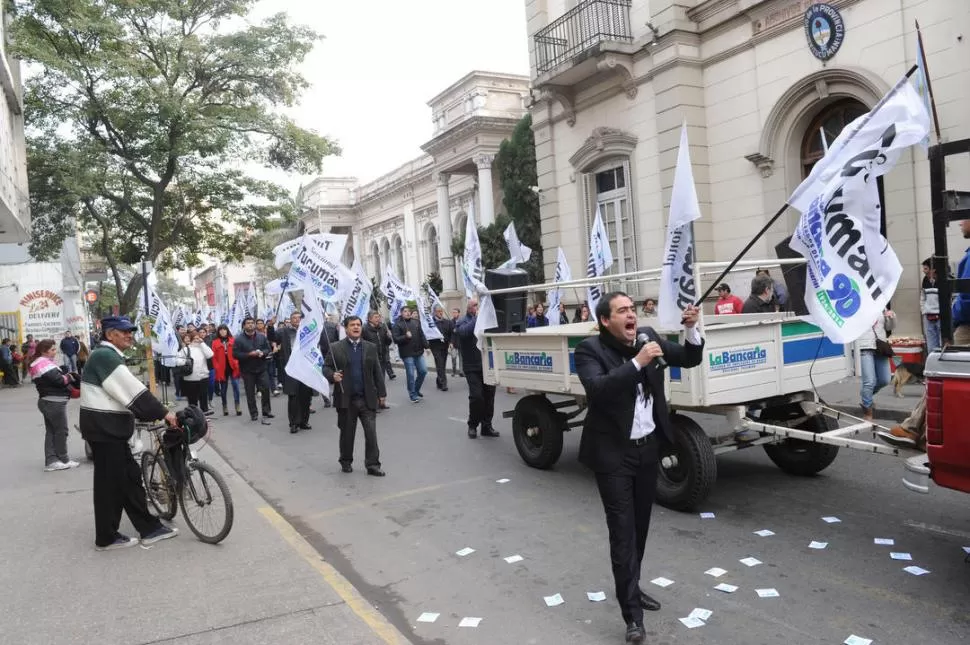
(172, 472)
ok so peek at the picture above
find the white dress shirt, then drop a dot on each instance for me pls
(643, 423)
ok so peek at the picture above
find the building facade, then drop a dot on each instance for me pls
(14, 204)
(613, 80)
(406, 219)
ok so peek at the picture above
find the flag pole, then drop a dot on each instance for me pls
(764, 229)
(929, 85)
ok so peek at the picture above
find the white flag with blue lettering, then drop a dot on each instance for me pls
(600, 259)
(563, 274)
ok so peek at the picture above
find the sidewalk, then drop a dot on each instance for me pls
(263, 584)
(844, 396)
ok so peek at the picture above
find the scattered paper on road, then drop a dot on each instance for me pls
(726, 588)
(504, 480)
(916, 571)
(554, 601)
(702, 614)
(750, 562)
(707, 516)
(469, 621)
(512, 559)
(717, 572)
(464, 552)
(691, 622)
(857, 640)
(428, 617)
(896, 555)
(817, 545)
(662, 582)
(596, 596)
(884, 541)
(764, 532)
(767, 593)
(831, 519)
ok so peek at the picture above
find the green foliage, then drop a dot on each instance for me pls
(433, 280)
(140, 116)
(377, 297)
(516, 162)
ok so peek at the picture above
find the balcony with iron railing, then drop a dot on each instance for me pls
(592, 26)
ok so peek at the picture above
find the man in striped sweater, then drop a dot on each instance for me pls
(111, 399)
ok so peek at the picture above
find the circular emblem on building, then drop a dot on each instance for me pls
(824, 29)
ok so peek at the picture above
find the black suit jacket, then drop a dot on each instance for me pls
(610, 381)
(373, 374)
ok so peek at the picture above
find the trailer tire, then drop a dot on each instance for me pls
(686, 485)
(805, 458)
(537, 430)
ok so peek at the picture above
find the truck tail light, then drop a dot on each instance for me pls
(934, 411)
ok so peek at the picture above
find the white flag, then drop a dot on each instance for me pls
(357, 299)
(563, 274)
(472, 269)
(519, 253)
(487, 319)
(331, 244)
(435, 300)
(677, 288)
(600, 258)
(306, 361)
(317, 267)
(431, 331)
(397, 293)
(852, 270)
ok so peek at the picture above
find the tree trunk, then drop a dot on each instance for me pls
(133, 295)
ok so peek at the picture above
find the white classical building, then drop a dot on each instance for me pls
(614, 79)
(407, 218)
(14, 204)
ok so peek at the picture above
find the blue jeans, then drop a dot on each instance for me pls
(931, 329)
(416, 370)
(875, 375)
(224, 387)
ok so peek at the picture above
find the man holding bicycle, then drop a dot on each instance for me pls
(111, 399)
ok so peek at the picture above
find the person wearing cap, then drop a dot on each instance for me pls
(111, 399)
(727, 303)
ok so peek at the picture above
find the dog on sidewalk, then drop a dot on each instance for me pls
(905, 373)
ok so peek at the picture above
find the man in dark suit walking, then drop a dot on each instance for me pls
(298, 393)
(626, 424)
(355, 370)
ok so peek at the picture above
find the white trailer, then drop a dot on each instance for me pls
(759, 371)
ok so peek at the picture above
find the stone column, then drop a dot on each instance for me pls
(485, 190)
(447, 269)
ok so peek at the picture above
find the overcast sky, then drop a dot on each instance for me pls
(382, 60)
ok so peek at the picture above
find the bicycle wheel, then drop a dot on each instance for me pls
(206, 503)
(159, 485)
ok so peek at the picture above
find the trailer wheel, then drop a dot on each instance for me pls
(689, 480)
(537, 430)
(805, 458)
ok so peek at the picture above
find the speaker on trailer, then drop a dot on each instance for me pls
(795, 277)
(509, 307)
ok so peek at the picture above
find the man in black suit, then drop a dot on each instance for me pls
(298, 393)
(252, 350)
(355, 370)
(626, 423)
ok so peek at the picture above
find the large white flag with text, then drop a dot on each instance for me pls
(563, 274)
(677, 288)
(852, 270)
(397, 293)
(600, 259)
(331, 244)
(519, 253)
(431, 331)
(306, 361)
(472, 269)
(356, 300)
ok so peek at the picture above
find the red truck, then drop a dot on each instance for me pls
(947, 373)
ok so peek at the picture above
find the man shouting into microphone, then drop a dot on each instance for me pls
(626, 424)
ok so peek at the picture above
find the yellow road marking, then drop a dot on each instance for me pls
(387, 498)
(347, 592)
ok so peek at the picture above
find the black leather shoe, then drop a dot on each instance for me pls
(490, 432)
(293, 429)
(347, 468)
(648, 603)
(375, 472)
(472, 433)
(305, 426)
(634, 632)
(254, 418)
(268, 415)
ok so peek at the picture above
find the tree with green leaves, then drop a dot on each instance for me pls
(518, 176)
(140, 117)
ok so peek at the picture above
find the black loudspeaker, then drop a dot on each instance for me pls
(795, 277)
(509, 307)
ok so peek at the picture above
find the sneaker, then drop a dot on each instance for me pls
(415, 399)
(899, 437)
(57, 465)
(420, 396)
(209, 412)
(72, 464)
(161, 533)
(121, 542)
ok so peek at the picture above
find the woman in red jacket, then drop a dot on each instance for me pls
(225, 373)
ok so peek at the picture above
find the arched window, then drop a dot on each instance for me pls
(431, 240)
(460, 221)
(399, 257)
(385, 255)
(375, 261)
(832, 120)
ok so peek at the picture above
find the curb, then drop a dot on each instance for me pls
(881, 413)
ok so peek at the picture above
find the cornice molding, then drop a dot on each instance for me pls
(462, 131)
(603, 142)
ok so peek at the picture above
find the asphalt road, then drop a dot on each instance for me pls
(395, 538)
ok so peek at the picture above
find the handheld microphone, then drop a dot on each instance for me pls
(658, 361)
